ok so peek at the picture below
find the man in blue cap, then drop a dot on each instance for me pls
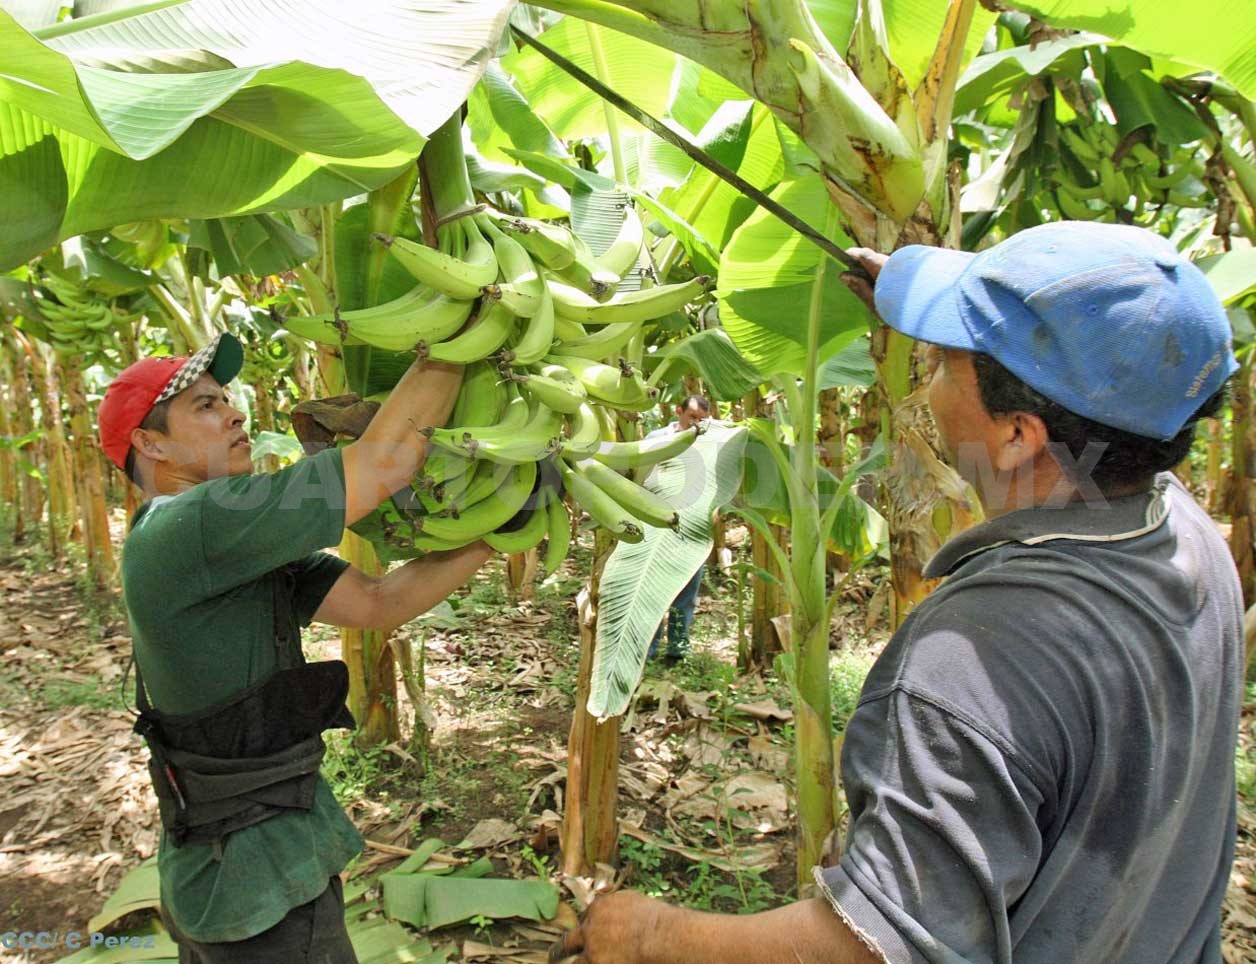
(1041, 764)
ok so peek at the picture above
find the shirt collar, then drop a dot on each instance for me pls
(1117, 519)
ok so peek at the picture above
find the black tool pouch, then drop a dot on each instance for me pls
(253, 756)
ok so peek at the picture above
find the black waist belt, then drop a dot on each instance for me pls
(248, 759)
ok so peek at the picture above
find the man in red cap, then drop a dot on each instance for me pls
(220, 570)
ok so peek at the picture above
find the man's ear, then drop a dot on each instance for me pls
(149, 444)
(1023, 437)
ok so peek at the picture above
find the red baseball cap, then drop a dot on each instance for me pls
(132, 395)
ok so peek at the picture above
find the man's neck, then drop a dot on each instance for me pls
(1047, 485)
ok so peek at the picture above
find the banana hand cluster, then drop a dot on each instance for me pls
(536, 318)
(1093, 183)
(78, 322)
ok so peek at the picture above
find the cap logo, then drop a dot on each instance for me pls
(1198, 384)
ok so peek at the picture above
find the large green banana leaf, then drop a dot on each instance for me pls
(1214, 35)
(767, 273)
(713, 357)
(211, 108)
(641, 580)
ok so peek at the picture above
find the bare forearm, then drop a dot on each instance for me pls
(392, 449)
(804, 932)
(420, 584)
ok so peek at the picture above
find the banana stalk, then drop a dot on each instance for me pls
(775, 51)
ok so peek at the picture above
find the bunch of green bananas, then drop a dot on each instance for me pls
(1091, 184)
(538, 321)
(79, 323)
(516, 442)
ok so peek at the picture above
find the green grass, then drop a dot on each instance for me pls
(847, 672)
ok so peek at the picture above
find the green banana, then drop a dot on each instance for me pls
(457, 437)
(584, 433)
(1073, 208)
(457, 277)
(621, 257)
(1080, 192)
(420, 315)
(521, 540)
(603, 509)
(487, 333)
(1170, 179)
(1079, 146)
(444, 479)
(569, 301)
(646, 452)
(520, 286)
(610, 384)
(559, 249)
(554, 387)
(1108, 181)
(483, 397)
(537, 337)
(521, 302)
(567, 330)
(641, 502)
(538, 438)
(558, 526)
(487, 514)
(587, 274)
(604, 343)
(643, 305)
(532, 441)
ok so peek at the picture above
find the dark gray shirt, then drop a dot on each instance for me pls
(1041, 764)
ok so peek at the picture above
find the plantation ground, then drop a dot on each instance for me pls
(704, 764)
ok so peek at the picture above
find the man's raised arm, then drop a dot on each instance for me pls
(391, 451)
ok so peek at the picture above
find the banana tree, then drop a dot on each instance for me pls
(260, 109)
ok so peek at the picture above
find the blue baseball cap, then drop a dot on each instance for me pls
(1107, 320)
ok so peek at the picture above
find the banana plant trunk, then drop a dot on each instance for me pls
(92, 506)
(590, 831)
(9, 484)
(767, 600)
(373, 673)
(264, 417)
(1241, 493)
(61, 502)
(30, 498)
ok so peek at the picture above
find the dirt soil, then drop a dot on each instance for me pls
(704, 790)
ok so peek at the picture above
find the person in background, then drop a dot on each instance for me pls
(693, 410)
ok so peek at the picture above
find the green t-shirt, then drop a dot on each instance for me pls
(202, 622)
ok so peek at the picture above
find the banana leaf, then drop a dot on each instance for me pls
(766, 277)
(1138, 101)
(852, 367)
(636, 69)
(1210, 34)
(743, 137)
(381, 941)
(208, 108)
(997, 74)
(431, 901)
(33, 14)
(163, 947)
(139, 889)
(714, 358)
(90, 264)
(498, 114)
(257, 244)
(1232, 274)
(640, 581)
